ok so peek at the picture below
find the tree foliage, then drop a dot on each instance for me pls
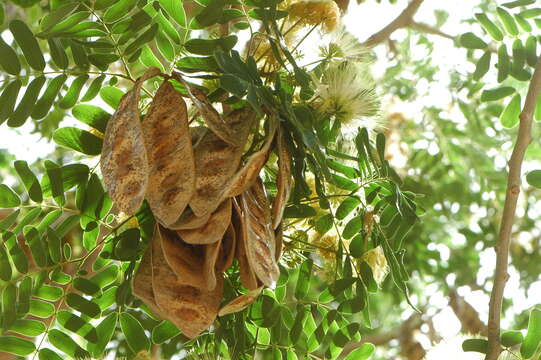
(356, 224)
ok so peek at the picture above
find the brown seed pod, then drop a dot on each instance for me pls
(191, 309)
(185, 260)
(213, 230)
(188, 221)
(219, 126)
(240, 302)
(216, 162)
(259, 236)
(248, 278)
(279, 236)
(283, 180)
(212, 253)
(246, 176)
(124, 164)
(142, 284)
(227, 250)
(170, 155)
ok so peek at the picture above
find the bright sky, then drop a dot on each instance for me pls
(363, 20)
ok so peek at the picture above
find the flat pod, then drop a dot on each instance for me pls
(191, 309)
(216, 123)
(188, 221)
(246, 176)
(216, 162)
(283, 179)
(186, 261)
(260, 242)
(279, 236)
(227, 250)
(213, 230)
(170, 155)
(240, 302)
(124, 163)
(142, 284)
(248, 278)
(212, 252)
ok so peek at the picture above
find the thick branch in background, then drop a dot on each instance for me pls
(467, 315)
(501, 276)
(403, 20)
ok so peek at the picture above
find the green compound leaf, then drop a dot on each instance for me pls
(17, 346)
(28, 43)
(534, 178)
(533, 336)
(134, 332)
(497, 93)
(105, 331)
(8, 197)
(78, 140)
(364, 352)
(65, 343)
(475, 345)
(508, 22)
(491, 28)
(471, 41)
(79, 303)
(510, 115)
(30, 181)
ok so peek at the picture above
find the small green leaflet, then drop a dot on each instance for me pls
(8, 198)
(78, 140)
(134, 332)
(510, 115)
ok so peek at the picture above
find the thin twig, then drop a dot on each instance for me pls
(524, 138)
(403, 20)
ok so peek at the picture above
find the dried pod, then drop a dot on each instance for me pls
(219, 126)
(283, 180)
(240, 302)
(188, 221)
(227, 250)
(142, 284)
(191, 309)
(170, 155)
(246, 176)
(279, 236)
(248, 278)
(185, 260)
(212, 253)
(124, 164)
(213, 230)
(259, 239)
(216, 162)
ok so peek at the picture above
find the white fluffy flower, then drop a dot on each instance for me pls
(342, 45)
(346, 91)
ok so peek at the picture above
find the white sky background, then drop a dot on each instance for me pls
(363, 20)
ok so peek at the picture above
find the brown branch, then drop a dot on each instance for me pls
(467, 315)
(403, 20)
(501, 276)
(430, 30)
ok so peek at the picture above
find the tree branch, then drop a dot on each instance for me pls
(430, 30)
(403, 20)
(501, 276)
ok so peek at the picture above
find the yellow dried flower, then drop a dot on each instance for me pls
(326, 242)
(314, 12)
(375, 258)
